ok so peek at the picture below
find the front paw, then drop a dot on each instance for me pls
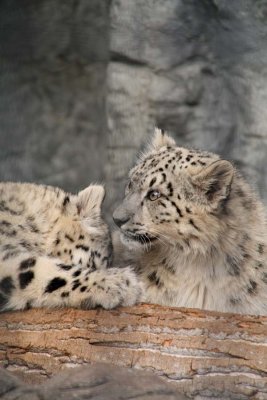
(119, 287)
(132, 288)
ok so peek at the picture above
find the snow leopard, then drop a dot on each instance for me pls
(194, 230)
(55, 250)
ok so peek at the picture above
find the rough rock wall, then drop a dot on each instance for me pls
(98, 381)
(53, 58)
(79, 75)
(195, 68)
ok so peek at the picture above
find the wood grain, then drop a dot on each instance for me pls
(202, 353)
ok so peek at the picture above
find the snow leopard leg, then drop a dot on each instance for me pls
(28, 281)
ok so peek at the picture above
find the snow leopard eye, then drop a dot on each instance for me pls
(153, 195)
(129, 187)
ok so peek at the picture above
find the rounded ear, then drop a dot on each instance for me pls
(215, 180)
(89, 200)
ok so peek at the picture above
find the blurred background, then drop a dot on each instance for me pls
(84, 82)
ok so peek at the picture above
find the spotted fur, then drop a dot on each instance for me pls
(194, 230)
(55, 250)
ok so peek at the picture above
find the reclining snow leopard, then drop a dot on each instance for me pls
(194, 231)
(55, 251)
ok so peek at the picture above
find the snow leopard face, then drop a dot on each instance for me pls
(174, 196)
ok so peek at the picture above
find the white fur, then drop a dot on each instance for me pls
(55, 251)
(210, 249)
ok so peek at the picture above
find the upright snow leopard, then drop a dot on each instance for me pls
(194, 231)
(55, 250)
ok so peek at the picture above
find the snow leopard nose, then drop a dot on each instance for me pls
(120, 221)
(120, 216)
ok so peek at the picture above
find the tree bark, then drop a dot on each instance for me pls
(203, 353)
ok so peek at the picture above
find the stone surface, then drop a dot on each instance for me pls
(8, 382)
(82, 84)
(52, 91)
(98, 382)
(195, 68)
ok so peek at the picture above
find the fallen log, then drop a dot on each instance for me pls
(202, 353)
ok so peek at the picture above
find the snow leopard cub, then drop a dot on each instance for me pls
(194, 230)
(55, 250)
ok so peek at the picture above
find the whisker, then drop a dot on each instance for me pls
(149, 242)
(160, 236)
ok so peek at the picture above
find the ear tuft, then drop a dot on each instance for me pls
(160, 139)
(90, 200)
(215, 180)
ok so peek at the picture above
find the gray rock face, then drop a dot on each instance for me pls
(83, 83)
(53, 55)
(195, 68)
(98, 381)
